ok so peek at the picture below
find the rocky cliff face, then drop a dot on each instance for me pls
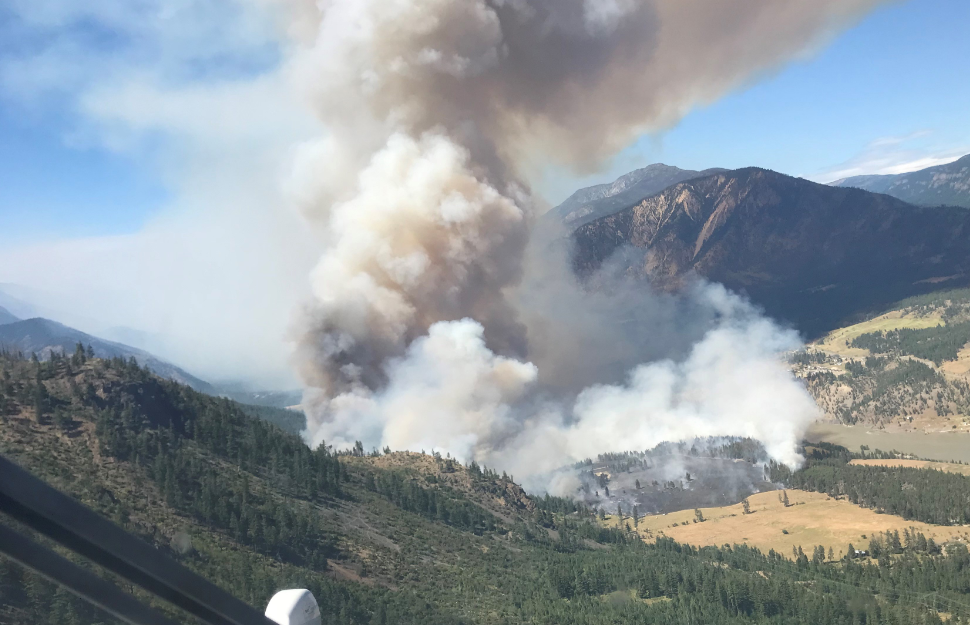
(811, 254)
(600, 200)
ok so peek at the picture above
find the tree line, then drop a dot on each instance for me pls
(937, 344)
(926, 495)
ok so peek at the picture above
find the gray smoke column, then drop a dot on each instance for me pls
(418, 335)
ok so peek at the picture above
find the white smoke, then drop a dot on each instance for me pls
(450, 392)
(434, 324)
(732, 383)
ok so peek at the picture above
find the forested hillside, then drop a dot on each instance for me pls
(937, 344)
(395, 537)
(904, 369)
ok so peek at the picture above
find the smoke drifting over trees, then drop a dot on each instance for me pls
(434, 321)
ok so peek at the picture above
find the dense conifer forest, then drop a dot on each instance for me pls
(393, 537)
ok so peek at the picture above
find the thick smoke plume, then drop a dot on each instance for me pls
(434, 322)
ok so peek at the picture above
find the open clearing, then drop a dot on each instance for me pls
(948, 467)
(942, 446)
(959, 368)
(837, 341)
(812, 519)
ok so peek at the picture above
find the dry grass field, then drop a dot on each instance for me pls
(837, 342)
(949, 467)
(812, 519)
(960, 368)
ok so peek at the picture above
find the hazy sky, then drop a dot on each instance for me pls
(146, 142)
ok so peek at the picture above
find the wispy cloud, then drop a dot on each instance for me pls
(194, 90)
(894, 155)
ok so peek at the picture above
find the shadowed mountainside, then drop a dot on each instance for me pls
(810, 254)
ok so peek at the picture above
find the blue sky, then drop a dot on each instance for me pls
(64, 173)
(52, 188)
(904, 71)
(893, 90)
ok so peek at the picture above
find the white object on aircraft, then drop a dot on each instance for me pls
(296, 606)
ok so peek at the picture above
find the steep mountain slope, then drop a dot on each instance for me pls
(600, 200)
(7, 317)
(43, 336)
(810, 254)
(394, 537)
(934, 186)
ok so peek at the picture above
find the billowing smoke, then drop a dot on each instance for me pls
(434, 324)
(449, 391)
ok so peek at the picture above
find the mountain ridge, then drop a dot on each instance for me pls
(7, 317)
(597, 201)
(44, 336)
(810, 254)
(947, 184)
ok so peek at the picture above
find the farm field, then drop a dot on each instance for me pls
(959, 368)
(837, 341)
(949, 467)
(813, 519)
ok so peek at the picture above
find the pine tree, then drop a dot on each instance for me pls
(79, 357)
(818, 555)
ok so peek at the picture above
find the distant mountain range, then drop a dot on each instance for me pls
(6, 317)
(14, 305)
(812, 254)
(43, 336)
(594, 202)
(935, 186)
